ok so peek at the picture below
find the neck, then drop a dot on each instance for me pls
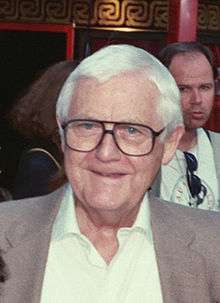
(101, 228)
(188, 140)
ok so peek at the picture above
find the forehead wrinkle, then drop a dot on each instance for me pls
(149, 97)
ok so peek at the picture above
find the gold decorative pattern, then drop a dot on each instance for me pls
(135, 14)
(209, 17)
(106, 14)
(129, 13)
(80, 12)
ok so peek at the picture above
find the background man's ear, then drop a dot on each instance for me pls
(171, 144)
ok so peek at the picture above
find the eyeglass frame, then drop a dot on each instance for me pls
(190, 157)
(105, 131)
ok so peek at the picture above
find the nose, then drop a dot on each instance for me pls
(196, 97)
(107, 150)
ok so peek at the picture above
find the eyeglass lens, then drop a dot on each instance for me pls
(131, 139)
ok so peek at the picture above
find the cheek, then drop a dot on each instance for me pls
(209, 101)
(73, 166)
(185, 101)
(146, 169)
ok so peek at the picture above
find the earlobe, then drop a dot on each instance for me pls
(171, 144)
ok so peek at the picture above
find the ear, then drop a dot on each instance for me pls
(171, 144)
(62, 139)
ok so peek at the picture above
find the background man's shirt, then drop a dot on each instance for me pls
(174, 186)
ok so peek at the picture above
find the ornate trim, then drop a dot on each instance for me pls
(145, 15)
(108, 14)
(209, 17)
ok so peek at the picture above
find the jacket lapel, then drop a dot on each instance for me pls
(26, 255)
(181, 267)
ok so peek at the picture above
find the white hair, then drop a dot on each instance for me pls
(115, 59)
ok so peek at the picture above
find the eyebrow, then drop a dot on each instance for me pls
(89, 117)
(191, 85)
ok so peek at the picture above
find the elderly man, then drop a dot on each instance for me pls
(102, 237)
(193, 176)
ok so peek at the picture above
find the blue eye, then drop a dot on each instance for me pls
(87, 125)
(131, 130)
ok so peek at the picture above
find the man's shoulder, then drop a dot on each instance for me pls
(215, 142)
(29, 209)
(199, 220)
(213, 136)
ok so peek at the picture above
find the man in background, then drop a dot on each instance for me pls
(193, 176)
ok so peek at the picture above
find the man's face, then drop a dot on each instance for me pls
(194, 78)
(105, 178)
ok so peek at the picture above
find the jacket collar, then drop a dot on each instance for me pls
(181, 267)
(26, 250)
(39, 218)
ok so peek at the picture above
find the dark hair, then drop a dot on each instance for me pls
(34, 114)
(168, 52)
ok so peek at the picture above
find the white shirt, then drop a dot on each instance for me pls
(174, 183)
(75, 271)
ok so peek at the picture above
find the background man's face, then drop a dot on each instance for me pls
(194, 78)
(105, 178)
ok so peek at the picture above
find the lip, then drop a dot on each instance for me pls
(109, 175)
(198, 115)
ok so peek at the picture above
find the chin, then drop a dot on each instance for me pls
(199, 125)
(105, 202)
(194, 125)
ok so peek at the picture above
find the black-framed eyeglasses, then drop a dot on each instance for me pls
(196, 188)
(132, 139)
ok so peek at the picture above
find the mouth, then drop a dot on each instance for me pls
(109, 175)
(198, 115)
